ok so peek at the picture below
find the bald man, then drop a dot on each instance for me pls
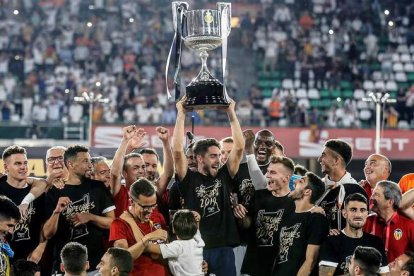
(377, 168)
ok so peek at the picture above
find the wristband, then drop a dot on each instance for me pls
(28, 199)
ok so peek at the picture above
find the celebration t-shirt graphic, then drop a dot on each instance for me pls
(287, 236)
(267, 224)
(246, 192)
(83, 205)
(209, 198)
(22, 230)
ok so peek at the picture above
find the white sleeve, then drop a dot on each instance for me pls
(171, 250)
(258, 179)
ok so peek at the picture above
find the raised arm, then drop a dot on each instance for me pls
(258, 179)
(236, 154)
(407, 200)
(168, 166)
(180, 161)
(130, 135)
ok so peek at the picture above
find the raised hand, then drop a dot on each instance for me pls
(137, 140)
(55, 178)
(62, 204)
(180, 105)
(232, 106)
(162, 133)
(248, 135)
(129, 132)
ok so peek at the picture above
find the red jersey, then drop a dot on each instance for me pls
(144, 265)
(121, 201)
(397, 234)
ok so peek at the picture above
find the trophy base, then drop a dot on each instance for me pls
(205, 95)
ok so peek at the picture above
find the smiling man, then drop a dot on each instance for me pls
(270, 207)
(26, 239)
(9, 216)
(81, 210)
(386, 199)
(151, 224)
(377, 168)
(209, 189)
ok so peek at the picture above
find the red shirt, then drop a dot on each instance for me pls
(397, 234)
(121, 201)
(143, 265)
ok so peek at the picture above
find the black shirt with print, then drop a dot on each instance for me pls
(210, 197)
(90, 196)
(269, 212)
(295, 234)
(26, 235)
(336, 251)
(331, 207)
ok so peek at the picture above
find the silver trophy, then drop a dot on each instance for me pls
(204, 30)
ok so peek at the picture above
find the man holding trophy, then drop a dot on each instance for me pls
(207, 190)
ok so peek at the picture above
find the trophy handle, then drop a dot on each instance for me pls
(177, 8)
(224, 9)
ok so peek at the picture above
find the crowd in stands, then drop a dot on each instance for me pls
(319, 59)
(52, 51)
(238, 206)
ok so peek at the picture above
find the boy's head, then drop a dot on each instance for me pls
(184, 224)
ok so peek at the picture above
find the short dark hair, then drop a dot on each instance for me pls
(142, 187)
(356, 197)
(368, 259)
(201, 146)
(72, 151)
(316, 185)
(184, 224)
(279, 146)
(409, 265)
(23, 267)
(129, 156)
(74, 257)
(285, 161)
(15, 149)
(228, 139)
(300, 170)
(149, 151)
(342, 148)
(122, 259)
(8, 209)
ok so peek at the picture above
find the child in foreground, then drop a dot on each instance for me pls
(185, 255)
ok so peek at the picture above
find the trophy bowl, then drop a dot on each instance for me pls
(203, 31)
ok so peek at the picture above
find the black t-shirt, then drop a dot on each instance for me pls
(297, 232)
(26, 235)
(91, 196)
(336, 251)
(210, 197)
(330, 204)
(269, 212)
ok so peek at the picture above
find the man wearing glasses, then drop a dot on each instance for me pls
(139, 226)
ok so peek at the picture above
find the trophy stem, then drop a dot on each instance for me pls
(204, 73)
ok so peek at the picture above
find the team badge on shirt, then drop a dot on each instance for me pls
(398, 234)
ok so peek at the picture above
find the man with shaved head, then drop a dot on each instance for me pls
(377, 168)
